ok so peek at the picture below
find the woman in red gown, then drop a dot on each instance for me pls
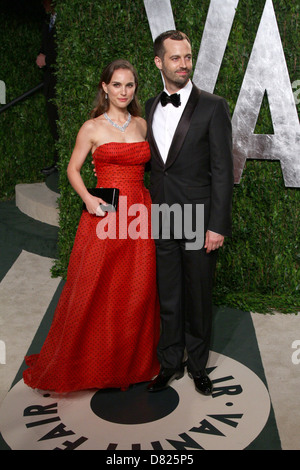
(106, 325)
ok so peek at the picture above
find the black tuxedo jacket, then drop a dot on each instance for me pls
(199, 166)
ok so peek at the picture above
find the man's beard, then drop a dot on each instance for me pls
(180, 82)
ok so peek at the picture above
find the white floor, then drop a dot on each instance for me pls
(25, 293)
(276, 335)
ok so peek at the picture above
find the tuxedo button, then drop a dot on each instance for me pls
(166, 173)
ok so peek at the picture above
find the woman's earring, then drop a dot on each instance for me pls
(106, 95)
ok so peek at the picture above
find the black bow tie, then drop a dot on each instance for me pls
(174, 99)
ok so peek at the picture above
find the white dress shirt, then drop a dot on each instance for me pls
(166, 119)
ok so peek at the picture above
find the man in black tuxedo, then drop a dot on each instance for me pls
(191, 165)
(46, 59)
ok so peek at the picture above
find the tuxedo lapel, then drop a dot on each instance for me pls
(180, 133)
(155, 153)
(183, 126)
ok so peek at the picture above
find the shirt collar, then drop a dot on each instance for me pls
(185, 91)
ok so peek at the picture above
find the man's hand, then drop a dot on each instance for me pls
(213, 241)
(41, 60)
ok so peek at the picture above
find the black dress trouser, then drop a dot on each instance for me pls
(185, 281)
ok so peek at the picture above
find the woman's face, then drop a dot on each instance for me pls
(121, 88)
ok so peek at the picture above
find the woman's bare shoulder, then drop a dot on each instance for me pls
(142, 124)
(91, 126)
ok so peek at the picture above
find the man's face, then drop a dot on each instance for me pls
(47, 5)
(176, 65)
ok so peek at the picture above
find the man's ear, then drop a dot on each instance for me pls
(158, 62)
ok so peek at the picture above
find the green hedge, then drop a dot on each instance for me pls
(26, 144)
(257, 269)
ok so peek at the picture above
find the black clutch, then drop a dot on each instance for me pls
(109, 195)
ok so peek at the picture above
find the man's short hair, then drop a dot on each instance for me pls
(159, 49)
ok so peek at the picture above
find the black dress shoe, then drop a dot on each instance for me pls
(202, 383)
(49, 170)
(164, 379)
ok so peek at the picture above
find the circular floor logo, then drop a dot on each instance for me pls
(178, 418)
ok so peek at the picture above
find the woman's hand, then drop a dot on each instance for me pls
(94, 169)
(93, 205)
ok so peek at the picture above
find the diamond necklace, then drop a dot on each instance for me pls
(121, 128)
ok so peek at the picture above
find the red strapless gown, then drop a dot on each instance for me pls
(106, 325)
